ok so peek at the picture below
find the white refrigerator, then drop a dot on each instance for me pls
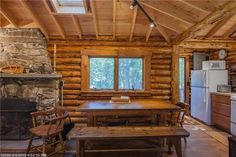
(202, 83)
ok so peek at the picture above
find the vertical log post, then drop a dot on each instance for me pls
(175, 74)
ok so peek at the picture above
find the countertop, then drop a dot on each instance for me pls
(226, 94)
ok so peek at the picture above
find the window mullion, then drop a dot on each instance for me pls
(116, 69)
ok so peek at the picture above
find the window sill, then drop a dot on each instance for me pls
(110, 93)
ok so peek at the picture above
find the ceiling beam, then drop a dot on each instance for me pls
(218, 26)
(172, 12)
(35, 18)
(194, 6)
(230, 31)
(149, 32)
(77, 25)
(7, 16)
(135, 11)
(114, 19)
(162, 31)
(59, 27)
(227, 10)
(94, 17)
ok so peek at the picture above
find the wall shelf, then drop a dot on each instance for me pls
(30, 76)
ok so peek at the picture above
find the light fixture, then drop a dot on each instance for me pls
(134, 3)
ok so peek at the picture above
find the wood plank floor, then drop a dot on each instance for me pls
(204, 141)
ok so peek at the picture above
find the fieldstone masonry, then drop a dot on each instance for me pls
(27, 47)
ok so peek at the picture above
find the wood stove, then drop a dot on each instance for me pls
(15, 118)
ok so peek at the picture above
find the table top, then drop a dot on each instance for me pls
(87, 133)
(145, 104)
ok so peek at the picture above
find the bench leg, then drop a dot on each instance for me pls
(79, 148)
(178, 147)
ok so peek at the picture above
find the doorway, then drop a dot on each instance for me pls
(184, 79)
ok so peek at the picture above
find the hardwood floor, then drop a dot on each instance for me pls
(204, 141)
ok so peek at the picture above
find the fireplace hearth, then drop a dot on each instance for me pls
(15, 118)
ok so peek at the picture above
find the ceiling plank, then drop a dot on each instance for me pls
(194, 6)
(163, 32)
(218, 26)
(148, 33)
(26, 5)
(59, 27)
(172, 12)
(77, 25)
(94, 17)
(227, 10)
(114, 19)
(230, 31)
(133, 23)
(8, 17)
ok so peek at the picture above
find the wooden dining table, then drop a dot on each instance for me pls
(143, 107)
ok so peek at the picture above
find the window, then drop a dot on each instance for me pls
(102, 73)
(69, 6)
(130, 73)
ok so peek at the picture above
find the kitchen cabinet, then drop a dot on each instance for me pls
(221, 114)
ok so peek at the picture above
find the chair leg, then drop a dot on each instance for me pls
(30, 143)
(44, 146)
(62, 143)
(185, 140)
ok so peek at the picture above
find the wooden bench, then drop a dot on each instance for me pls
(122, 133)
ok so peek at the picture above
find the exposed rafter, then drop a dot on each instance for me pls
(114, 19)
(77, 25)
(217, 26)
(94, 17)
(133, 23)
(171, 12)
(35, 18)
(148, 33)
(7, 16)
(230, 31)
(194, 6)
(227, 10)
(59, 27)
(163, 33)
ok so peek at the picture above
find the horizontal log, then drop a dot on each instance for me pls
(69, 73)
(160, 72)
(71, 92)
(78, 120)
(154, 66)
(66, 54)
(72, 79)
(161, 92)
(68, 67)
(72, 86)
(73, 102)
(160, 86)
(68, 60)
(78, 114)
(160, 79)
(162, 97)
(71, 108)
(109, 94)
(160, 61)
(161, 56)
(70, 97)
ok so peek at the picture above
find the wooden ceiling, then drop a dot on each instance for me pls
(176, 20)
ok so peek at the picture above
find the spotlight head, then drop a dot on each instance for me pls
(133, 4)
(152, 24)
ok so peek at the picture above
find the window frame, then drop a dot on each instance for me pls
(116, 53)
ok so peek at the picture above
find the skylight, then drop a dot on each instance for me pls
(69, 6)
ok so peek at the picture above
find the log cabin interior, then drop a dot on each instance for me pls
(118, 78)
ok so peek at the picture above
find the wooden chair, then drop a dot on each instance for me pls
(48, 125)
(177, 118)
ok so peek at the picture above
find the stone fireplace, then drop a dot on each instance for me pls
(27, 48)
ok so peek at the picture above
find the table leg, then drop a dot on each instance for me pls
(79, 148)
(178, 147)
(90, 119)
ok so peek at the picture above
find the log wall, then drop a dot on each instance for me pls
(68, 63)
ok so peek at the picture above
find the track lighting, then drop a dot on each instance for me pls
(136, 2)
